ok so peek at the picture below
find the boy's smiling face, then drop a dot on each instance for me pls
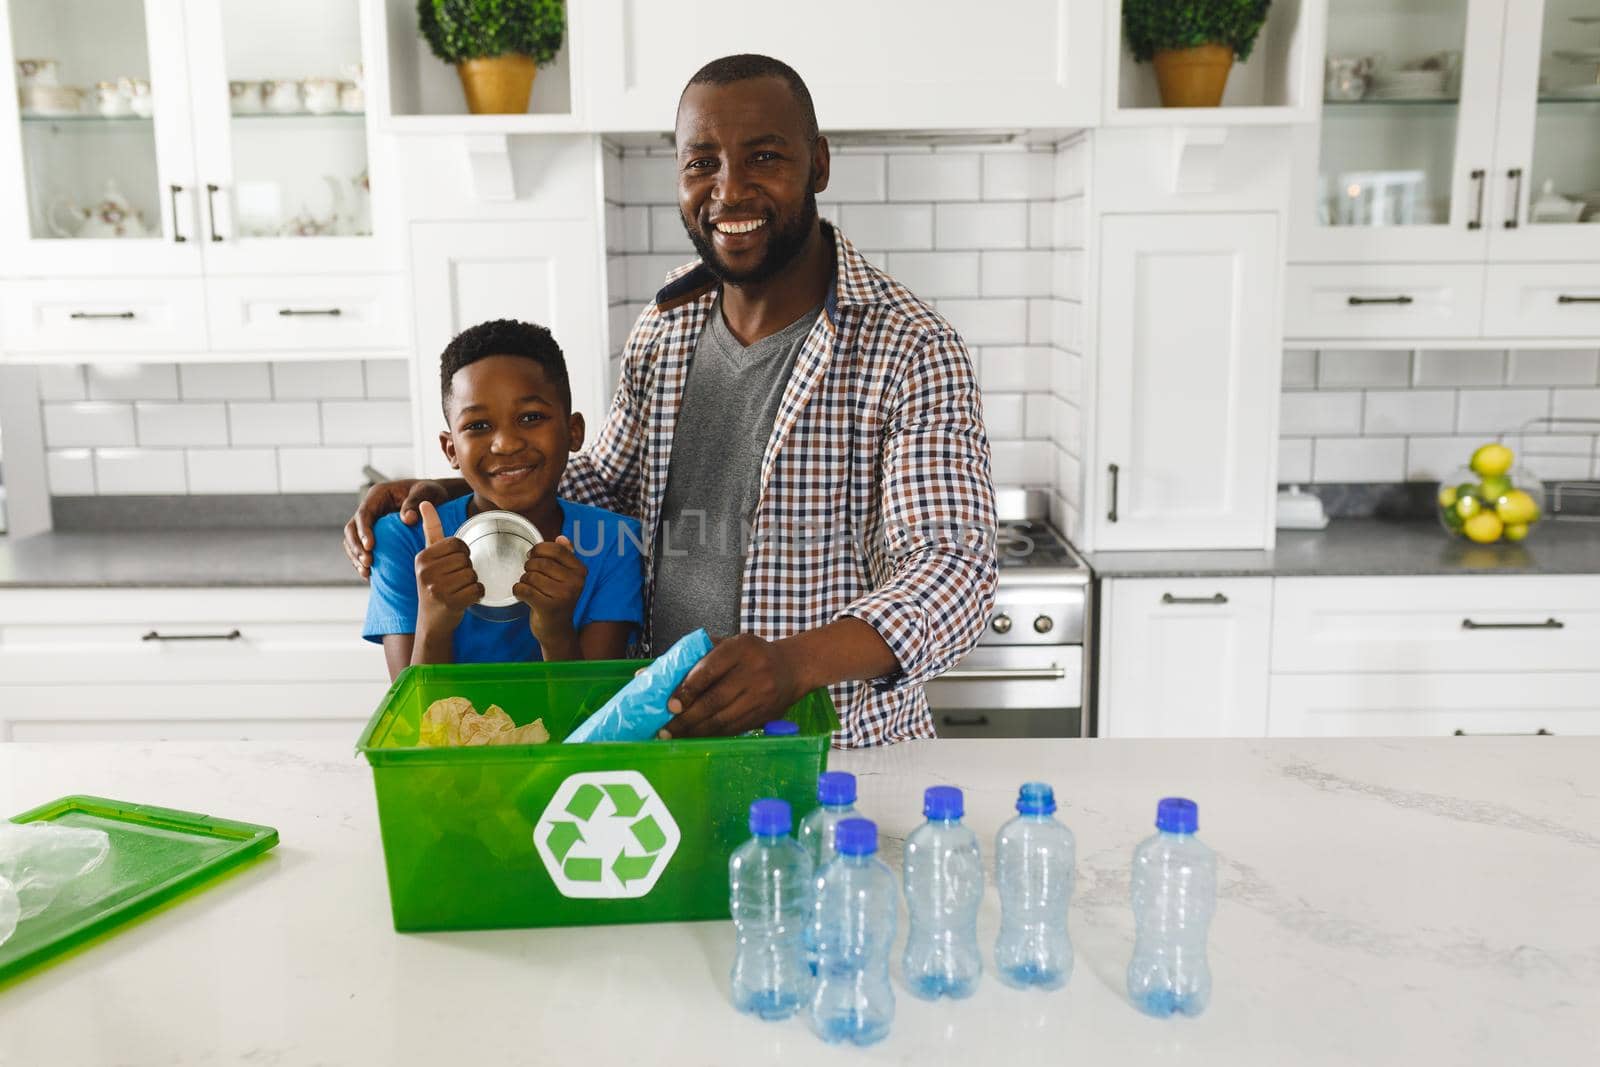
(510, 433)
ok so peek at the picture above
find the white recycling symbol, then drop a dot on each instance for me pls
(605, 834)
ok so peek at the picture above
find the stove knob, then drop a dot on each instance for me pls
(1001, 624)
(1043, 624)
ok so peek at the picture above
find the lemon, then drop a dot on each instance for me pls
(1517, 508)
(1491, 460)
(1484, 527)
(1494, 487)
(1447, 496)
(1467, 506)
(1516, 531)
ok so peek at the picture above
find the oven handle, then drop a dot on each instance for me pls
(1003, 674)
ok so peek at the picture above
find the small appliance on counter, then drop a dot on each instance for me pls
(1300, 510)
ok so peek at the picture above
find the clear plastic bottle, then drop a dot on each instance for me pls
(944, 885)
(856, 906)
(1174, 893)
(769, 890)
(836, 800)
(1034, 856)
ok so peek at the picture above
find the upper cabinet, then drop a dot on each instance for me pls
(931, 64)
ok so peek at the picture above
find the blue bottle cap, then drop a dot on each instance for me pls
(1036, 798)
(770, 817)
(781, 728)
(1175, 815)
(856, 837)
(942, 802)
(836, 787)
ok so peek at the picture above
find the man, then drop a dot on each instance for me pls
(785, 385)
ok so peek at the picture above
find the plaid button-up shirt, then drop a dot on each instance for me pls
(876, 500)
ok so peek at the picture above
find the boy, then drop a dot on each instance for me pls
(510, 426)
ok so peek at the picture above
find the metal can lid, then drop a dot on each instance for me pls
(499, 542)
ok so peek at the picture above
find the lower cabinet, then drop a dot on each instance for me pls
(201, 664)
(1420, 705)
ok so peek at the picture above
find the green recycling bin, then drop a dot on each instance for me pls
(560, 835)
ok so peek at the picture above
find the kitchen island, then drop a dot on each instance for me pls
(1381, 901)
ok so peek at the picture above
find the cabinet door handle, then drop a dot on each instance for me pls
(1214, 598)
(177, 236)
(1002, 674)
(1568, 298)
(211, 209)
(156, 635)
(1362, 301)
(1514, 176)
(1476, 222)
(1540, 732)
(1116, 473)
(1548, 624)
(101, 315)
(311, 311)
(980, 720)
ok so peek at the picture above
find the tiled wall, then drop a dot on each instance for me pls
(192, 428)
(991, 236)
(1399, 415)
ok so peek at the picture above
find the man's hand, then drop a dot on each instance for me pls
(446, 583)
(743, 683)
(402, 496)
(552, 581)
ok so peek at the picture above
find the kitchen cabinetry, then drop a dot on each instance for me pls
(889, 66)
(218, 146)
(1184, 657)
(151, 664)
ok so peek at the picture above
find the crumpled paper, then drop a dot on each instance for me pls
(639, 710)
(453, 721)
(38, 861)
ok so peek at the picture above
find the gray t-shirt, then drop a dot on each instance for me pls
(730, 403)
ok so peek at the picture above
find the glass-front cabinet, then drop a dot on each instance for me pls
(1453, 130)
(181, 136)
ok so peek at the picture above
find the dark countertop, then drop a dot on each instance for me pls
(1373, 547)
(156, 558)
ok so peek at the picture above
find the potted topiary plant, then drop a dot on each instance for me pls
(1192, 43)
(497, 46)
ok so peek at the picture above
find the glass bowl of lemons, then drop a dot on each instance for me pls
(1491, 498)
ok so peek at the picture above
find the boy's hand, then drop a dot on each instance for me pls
(446, 583)
(552, 581)
(402, 496)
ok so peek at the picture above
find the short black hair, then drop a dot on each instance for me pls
(747, 65)
(505, 337)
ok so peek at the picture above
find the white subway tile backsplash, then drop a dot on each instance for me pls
(318, 379)
(1068, 223)
(1040, 416)
(1459, 367)
(649, 179)
(139, 471)
(320, 470)
(987, 322)
(647, 274)
(1299, 369)
(288, 423)
(1004, 416)
(225, 381)
(1359, 459)
(168, 425)
(1023, 462)
(1433, 459)
(636, 230)
(1555, 456)
(1070, 273)
(1041, 225)
(70, 471)
(1554, 366)
(667, 233)
(1576, 404)
(232, 470)
(366, 422)
(1017, 175)
(1013, 369)
(1495, 411)
(88, 424)
(1294, 459)
(980, 226)
(393, 462)
(1408, 411)
(62, 382)
(890, 227)
(1071, 170)
(1017, 273)
(388, 379)
(933, 275)
(614, 245)
(1314, 414)
(133, 381)
(934, 177)
(1041, 322)
(621, 318)
(1357, 368)
(616, 277)
(611, 173)
(856, 178)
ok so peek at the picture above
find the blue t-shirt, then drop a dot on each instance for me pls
(607, 543)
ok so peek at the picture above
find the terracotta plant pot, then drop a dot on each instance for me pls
(499, 85)
(1193, 77)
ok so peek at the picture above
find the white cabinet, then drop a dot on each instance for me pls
(1184, 657)
(934, 64)
(186, 663)
(1423, 705)
(1384, 300)
(1188, 371)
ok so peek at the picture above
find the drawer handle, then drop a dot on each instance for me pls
(1567, 298)
(102, 315)
(310, 311)
(1476, 222)
(1548, 624)
(1362, 301)
(1214, 598)
(981, 720)
(1003, 674)
(1540, 732)
(156, 635)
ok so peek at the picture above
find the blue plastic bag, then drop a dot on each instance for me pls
(639, 710)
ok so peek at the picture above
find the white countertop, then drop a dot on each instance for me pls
(1430, 901)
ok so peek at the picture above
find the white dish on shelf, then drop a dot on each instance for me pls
(1586, 91)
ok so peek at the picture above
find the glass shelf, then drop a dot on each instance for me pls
(86, 120)
(300, 116)
(1386, 105)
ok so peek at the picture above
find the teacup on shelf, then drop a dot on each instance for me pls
(281, 97)
(352, 98)
(38, 74)
(137, 91)
(244, 98)
(111, 101)
(321, 95)
(52, 100)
